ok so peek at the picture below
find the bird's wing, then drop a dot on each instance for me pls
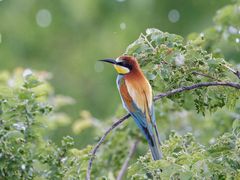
(138, 101)
(139, 109)
(141, 94)
(142, 115)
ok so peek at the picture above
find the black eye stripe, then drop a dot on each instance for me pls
(122, 63)
(125, 64)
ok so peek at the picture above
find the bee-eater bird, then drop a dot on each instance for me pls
(137, 99)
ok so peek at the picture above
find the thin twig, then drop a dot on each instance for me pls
(125, 164)
(101, 141)
(147, 41)
(205, 75)
(157, 97)
(236, 72)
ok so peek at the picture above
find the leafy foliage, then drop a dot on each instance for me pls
(186, 159)
(170, 63)
(200, 128)
(224, 36)
(24, 151)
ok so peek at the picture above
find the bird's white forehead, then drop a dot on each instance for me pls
(119, 60)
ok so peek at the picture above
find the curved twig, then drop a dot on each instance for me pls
(236, 72)
(101, 141)
(157, 97)
(125, 164)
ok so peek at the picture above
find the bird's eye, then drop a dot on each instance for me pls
(126, 64)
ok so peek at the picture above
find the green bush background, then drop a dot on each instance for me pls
(80, 33)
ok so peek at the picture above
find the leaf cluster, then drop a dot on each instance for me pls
(25, 152)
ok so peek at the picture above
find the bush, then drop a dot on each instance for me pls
(25, 152)
(200, 128)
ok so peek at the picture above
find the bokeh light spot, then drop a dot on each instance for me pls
(232, 30)
(99, 67)
(174, 16)
(120, 0)
(237, 40)
(179, 60)
(202, 35)
(27, 72)
(123, 26)
(43, 18)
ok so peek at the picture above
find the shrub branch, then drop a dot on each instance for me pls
(93, 153)
(196, 86)
(157, 97)
(236, 72)
(125, 164)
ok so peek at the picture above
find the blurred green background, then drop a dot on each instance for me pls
(67, 37)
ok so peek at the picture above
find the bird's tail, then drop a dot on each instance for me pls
(155, 149)
(154, 144)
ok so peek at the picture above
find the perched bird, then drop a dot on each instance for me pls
(137, 99)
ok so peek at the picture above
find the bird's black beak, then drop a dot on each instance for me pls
(112, 61)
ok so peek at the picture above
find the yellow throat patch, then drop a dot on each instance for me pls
(121, 69)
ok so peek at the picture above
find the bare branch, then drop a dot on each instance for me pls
(125, 165)
(157, 97)
(100, 142)
(195, 86)
(236, 72)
